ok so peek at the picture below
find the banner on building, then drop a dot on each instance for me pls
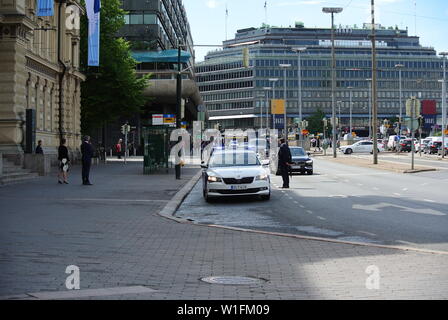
(93, 8)
(45, 8)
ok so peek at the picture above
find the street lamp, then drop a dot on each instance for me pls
(273, 81)
(350, 90)
(266, 89)
(399, 67)
(443, 54)
(332, 11)
(370, 107)
(284, 67)
(339, 121)
(299, 76)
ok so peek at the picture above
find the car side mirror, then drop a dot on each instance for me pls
(308, 153)
(203, 165)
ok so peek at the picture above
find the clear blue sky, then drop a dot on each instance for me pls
(207, 17)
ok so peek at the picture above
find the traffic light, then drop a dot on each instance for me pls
(125, 129)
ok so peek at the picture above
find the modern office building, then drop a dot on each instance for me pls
(155, 29)
(235, 96)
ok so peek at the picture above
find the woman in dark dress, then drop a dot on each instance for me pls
(63, 162)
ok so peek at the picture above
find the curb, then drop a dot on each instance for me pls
(172, 206)
(170, 209)
(419, 170)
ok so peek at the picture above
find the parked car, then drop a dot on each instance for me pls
(235, 172)
(405, 145)
(433, 147)
(392, 142)
(445, 150)
(360, 147)
(301, 161)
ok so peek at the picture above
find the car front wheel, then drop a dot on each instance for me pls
(348, 151)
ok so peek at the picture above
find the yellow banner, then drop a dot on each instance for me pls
(277, 106)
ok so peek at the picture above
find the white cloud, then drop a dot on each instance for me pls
(212, 4)
(298, 3)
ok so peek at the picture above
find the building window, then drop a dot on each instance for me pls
(136, 18)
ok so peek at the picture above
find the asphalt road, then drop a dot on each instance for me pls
(341, 202)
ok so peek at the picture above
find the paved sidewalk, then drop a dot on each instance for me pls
(116, 238)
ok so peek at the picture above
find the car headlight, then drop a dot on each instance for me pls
(214, 179)
(262, 177)
(309, 162)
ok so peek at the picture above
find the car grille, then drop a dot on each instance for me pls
(252, 190)
(238, 181)
(299, 163)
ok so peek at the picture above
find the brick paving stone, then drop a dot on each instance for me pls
(119, 244)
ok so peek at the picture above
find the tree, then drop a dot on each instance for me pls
(113, 89)
(316, 125)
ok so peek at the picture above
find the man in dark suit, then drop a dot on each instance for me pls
(284, 161)
(87, 154)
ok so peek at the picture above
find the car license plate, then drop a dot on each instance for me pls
(238, 187)
(296, 167)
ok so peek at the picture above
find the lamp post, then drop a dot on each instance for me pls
(285, 67)
(443, 54)
(351, 109)
(370, 106)
(299, 77)
(339, 121)
(266, 95)
(332, 11)
(399, 67)
(273, 81)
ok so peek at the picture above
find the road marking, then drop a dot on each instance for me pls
(427, 200)
(321, 218)
(375, 188)
(72, 294)
(296, 202)
(397, 194)
(405, 189)
(338, 196)
(117, 200)
(378, 206)
(309, 211)
(301, 206)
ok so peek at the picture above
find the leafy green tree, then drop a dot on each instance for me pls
(316, 125)
(113, 89)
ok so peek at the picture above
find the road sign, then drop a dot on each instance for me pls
(157, 119)
(413, 109)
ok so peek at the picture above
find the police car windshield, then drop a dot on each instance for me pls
(234, 159)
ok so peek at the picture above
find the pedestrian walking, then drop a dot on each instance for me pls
(64, 163)
(318, 144)
(87, 154)
(118, 148)
(284, 162)
(39, 149)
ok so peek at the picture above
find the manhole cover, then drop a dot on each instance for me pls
(232, 280)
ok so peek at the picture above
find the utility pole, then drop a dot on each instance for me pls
(351, 111)
(443, 54)
(273, 80)
(399, 67)
(374, 84)
(333, 75)
(285, 67)
(299, 76)
(177, 166)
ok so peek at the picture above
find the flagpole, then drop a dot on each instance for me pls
(266, 13)
(227, 16)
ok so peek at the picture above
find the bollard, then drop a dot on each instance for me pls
(1, 164)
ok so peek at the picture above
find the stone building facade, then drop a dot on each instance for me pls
(39, 69)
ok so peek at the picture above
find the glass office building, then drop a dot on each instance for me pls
(236, 95)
